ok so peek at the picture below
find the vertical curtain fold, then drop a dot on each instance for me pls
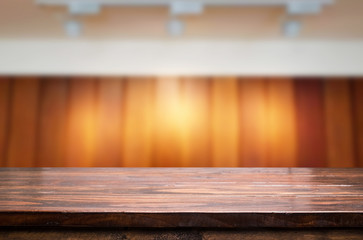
(181, 121)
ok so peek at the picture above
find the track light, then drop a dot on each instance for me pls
(186, 7)
(83, 8)
(303, 7)
(176, 27)
(178, 7)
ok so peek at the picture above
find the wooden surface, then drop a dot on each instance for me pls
(182, 234)
(181, 197)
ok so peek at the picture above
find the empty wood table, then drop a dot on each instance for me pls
(181, 203)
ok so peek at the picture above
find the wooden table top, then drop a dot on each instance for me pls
(181, 197)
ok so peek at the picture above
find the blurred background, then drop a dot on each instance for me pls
(272, 84)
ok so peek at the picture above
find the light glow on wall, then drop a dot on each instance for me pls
(180, 122)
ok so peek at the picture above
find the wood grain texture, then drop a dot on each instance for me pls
(181, 234)
(339, 123)
(310, 122)
(181, 197)
(24, 123)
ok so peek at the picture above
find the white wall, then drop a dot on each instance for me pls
(176, 57)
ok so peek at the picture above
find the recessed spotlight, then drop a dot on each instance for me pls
(73, 28)
(291, 28)
(175, 27)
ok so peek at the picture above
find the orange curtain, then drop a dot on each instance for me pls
(181, 122)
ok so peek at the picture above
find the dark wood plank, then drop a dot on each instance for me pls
(181, 197)
(182, 234)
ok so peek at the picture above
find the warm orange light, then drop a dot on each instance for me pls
(174, 111)
(173, 121)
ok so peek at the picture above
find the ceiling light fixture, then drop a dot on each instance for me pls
(175, 27)
(291, 28)
(186, 7)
